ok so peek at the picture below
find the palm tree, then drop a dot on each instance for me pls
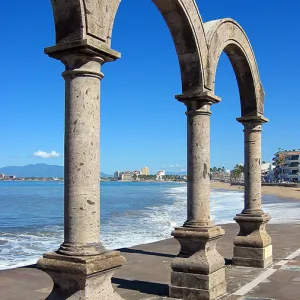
(237, 171)
(241, 168)
(279, 164)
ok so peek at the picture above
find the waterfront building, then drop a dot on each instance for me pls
(117, 175)
(127, 176)
(237, 177)
(9, 177)
(267, 172)
(160, 174)
(287, 166)
(145, 171)
(1, 176)
(221, 176)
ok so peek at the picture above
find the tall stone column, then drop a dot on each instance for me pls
(198, 271)
(253, 245)
(82, 268)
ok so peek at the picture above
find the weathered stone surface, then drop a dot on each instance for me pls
(252, 257)
(82, 159)
(203, 282)
(252, 231)
(80, 278)
(253, 245)
(86, 46)
(252, 163)
(198, 45)
(198, 259)
(186, 27)
(195, 294)
(80, 19)
(198, 158)
(228, 36)
(198, 252)
(82, 268)
(83, 38)
(198, 270)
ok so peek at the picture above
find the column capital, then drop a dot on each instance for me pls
(205, 97)
(253, 120)
(83, 47)
(79, 64)
(198, 103)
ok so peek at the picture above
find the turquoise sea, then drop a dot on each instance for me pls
(31, 215)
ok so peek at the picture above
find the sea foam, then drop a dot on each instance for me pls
(131, 214)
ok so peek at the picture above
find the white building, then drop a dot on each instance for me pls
(267, 172)
(160, 174)
(287, 166)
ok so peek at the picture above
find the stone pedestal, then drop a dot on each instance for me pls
(253, 245)
(82, 268)
(198, 272)
(82, 277)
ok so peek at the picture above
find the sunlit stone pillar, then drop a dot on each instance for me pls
(82, 268)
(253, 245)
(198, 271)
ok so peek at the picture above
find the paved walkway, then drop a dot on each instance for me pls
(147, 271)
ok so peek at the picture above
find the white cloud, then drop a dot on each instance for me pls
(43, 154)
(183, 170)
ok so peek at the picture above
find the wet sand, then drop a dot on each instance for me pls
(279, 191)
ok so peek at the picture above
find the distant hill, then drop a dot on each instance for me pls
(37, 170)
(176, 173)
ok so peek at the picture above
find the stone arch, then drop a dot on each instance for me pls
(92, 21)
(186, 27)
(84, 19)
(228, 36)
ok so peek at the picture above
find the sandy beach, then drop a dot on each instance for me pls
(279, 191)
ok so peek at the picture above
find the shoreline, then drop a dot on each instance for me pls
(279, 191)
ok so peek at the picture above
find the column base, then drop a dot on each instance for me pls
(81, 250)
(198, 270)
(81, 277)
(253, 245)
(252, 257)
(208, 286)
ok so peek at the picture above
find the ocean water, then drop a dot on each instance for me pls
(31, 215)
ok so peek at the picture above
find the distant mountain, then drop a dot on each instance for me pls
(37, 170)
(176, 173)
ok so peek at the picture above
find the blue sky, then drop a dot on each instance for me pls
(141, 122)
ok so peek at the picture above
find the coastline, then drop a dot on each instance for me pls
(160, 205)
(279, 191)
